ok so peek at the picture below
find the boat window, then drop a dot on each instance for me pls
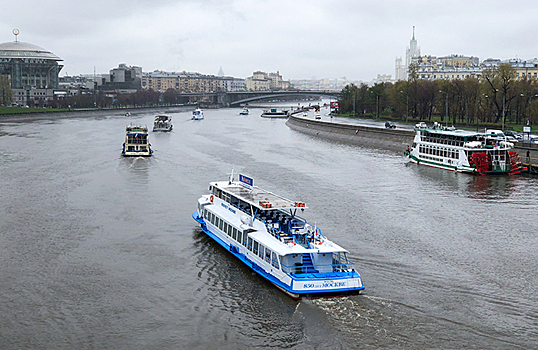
(239, 236)
(225, 227)
(260, 251)
(221, 224)
(255, 247)
(234, 234)
(274, 260)
(267, 255)
(245, 242)
(249, 245)
(232, 231)
(234, 201)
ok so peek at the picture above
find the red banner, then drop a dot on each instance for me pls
(334, 104)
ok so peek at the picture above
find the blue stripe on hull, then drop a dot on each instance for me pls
(284, 287)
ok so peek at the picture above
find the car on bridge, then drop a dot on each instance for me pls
(390, 125)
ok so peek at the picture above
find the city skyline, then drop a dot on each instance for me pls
(301, 39)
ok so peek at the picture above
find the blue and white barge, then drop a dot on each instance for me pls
(263, 230)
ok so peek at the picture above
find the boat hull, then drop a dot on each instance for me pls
(309, 285)
(162, 129)
(467, 170)
(137, 154)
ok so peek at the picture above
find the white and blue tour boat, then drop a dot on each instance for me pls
(197, 114)
(263, 230)
(481, 153)
(136, 142)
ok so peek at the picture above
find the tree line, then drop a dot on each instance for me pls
(496, 98)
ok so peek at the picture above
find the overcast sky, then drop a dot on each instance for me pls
(301, 39)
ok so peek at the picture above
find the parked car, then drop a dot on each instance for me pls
(421, 125)
(513, 133)
(390, 125)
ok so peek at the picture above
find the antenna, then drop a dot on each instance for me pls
(231, 177)
(15, 32)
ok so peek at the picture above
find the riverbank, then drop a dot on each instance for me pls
(386, 139)
(366, 136)
(78, 113)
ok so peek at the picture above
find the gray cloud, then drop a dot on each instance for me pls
(301, 39)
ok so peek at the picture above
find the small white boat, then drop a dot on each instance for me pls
(318, 116)
(263, 230)
(244, 111)
(136, 142)
(162, 123)
(197, 114)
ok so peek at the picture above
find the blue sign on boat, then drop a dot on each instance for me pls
(245, 180)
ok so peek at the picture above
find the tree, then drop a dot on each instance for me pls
(500, 82)
(6, 94)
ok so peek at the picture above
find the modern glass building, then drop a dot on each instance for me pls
(33, 72)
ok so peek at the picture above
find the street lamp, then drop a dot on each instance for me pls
(504, 104)
(377, 106)
(530, 103)
(446, 105)
(407, 105)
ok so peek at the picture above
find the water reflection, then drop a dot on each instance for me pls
(467, 185)
(263, 313)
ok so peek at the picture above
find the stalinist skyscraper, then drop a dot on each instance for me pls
(413, 50)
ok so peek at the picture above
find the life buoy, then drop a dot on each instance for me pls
(211, 198)
(407, 148)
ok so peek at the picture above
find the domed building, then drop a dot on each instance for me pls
(33, 72)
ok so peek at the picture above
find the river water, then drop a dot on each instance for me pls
(98, 251)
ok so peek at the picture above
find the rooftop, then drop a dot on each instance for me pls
(19, 49)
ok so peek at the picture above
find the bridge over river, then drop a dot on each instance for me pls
(237, 98)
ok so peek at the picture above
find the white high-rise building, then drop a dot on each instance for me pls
(413, 50)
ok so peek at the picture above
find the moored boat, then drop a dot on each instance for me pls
(136, 142)
(162, 123)
(275, 113)
(482, 153)
(197, 114)
(263, 230)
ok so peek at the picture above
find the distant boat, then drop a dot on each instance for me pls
(197, 114)
(275, 113)
(244, 111)
(162, 123)
(136, 142)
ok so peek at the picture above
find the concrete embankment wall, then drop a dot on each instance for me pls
(390, 139)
